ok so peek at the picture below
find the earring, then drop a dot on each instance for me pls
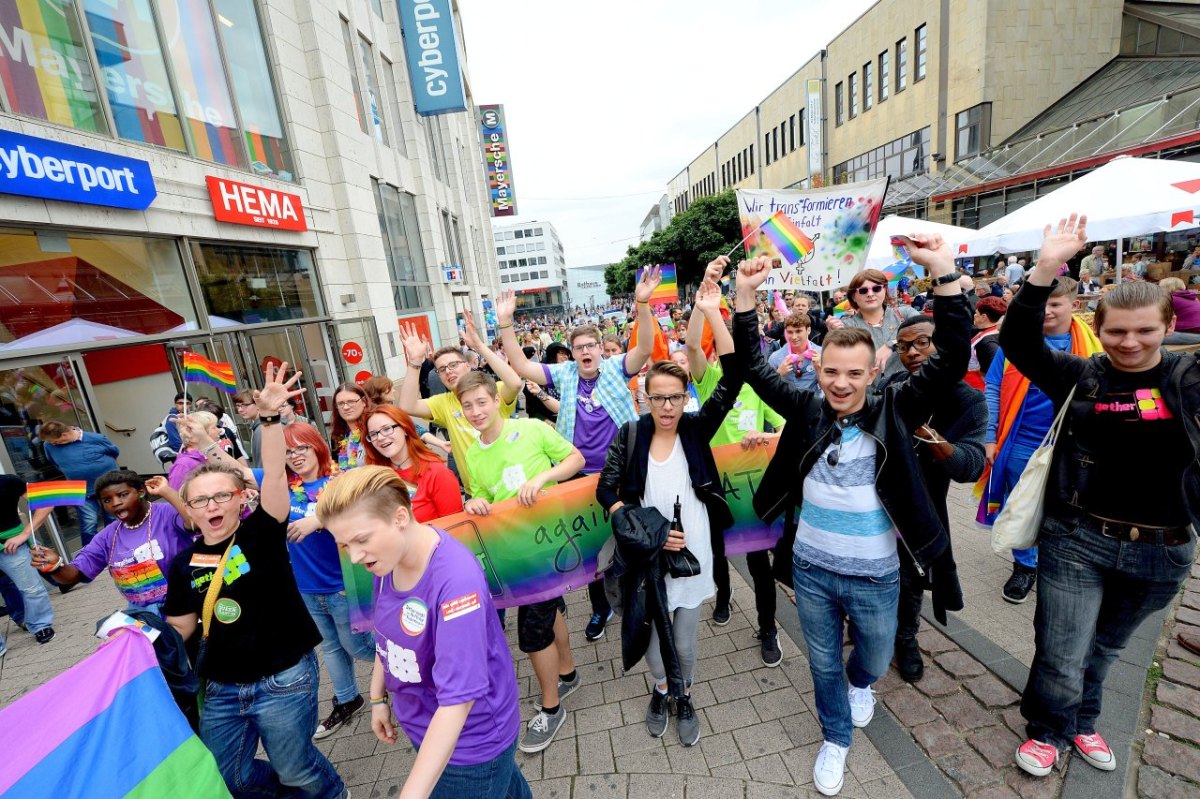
(143, 496)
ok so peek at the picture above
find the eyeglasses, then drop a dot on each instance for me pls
(875, 288)
(918, 343)
(441, 370)
(221, 497)
(303, 449)
(349, 403)
(382, 432)
(244, 404)
(663, 400)
(591, 345)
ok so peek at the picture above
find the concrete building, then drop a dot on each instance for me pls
(585, 287)
(656, 219)
(532, 264)
(247, 179)
(950, 98)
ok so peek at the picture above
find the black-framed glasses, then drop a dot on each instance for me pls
(303, 449)
(221, 497)
(586, 347)
(382, 432)
(663, 400)
(441, 370)
(918, 343)
(874, 288)
(349, 403)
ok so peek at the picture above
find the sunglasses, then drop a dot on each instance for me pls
(872, 289)
(835, 454)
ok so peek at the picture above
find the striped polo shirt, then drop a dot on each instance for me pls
(843, 527)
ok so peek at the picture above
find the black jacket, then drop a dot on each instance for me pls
(889, 417)
(1056, 373)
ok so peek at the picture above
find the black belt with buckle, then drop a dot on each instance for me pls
(1123, 531)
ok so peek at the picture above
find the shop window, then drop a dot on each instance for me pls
(250, 284)
(375, 111)
(922, 37)
(354, 85)
(46, 72)
(62, 289)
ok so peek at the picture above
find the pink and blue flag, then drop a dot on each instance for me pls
(105, 727)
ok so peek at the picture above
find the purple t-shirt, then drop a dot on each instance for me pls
(137, 559)
(441, 644)
(594, 428)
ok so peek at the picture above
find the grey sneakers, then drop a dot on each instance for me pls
(541, 730)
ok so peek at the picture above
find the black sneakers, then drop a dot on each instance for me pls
(909, 664)
(44, 635)
(720, 615)
(340, 715)
(595, 627)
(768, 647)
(1019, 584)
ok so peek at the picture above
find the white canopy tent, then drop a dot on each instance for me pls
(72, 331)
(880, 254)
(1125, 197)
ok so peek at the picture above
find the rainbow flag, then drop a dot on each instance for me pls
(790, 240)
(841, 309)
(198, 369)
(73, 735)
(668, 290)
(53, 493)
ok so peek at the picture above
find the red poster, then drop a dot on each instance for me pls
(362, 377)
(244, 204)
(420, 322)
(352, 352)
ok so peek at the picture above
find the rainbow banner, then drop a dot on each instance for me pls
(789, 240)
(72, 736)
(54, 493)
(198, 369)
(668, 290)
(539, 553)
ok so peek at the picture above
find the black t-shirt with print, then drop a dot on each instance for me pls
(260, 625)
(1141, 450)
(11, 491)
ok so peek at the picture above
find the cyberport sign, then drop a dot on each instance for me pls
(493, 133)
(33, 167)
(431, 49)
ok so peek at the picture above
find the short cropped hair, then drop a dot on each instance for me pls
(993, 308)
(474, 380)
(376, 490)
(798, 319)
(848, 338)
(1066, 287)
(449, 349)
(583, 330)
(667, 369)
(1128, 296)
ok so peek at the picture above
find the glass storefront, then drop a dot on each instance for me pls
(249, 284)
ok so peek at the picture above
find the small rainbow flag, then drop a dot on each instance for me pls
(54, 493)
(198, 369)
(667, 292)
(841, 308)
(790, 240)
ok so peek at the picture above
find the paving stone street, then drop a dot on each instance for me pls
(952, 734)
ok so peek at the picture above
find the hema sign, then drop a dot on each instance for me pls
(244, 204)
(34, 167)
(432, 53)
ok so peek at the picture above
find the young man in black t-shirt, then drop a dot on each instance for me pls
(1112, 551)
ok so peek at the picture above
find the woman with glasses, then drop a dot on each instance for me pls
(235, 586)
(876, 313)
(672, 466)
(345, 439)
(392, 441)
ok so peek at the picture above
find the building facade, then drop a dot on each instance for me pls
(932, 95)
(246, 179)
(532, 264)
(585, 287)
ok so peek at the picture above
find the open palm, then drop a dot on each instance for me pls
(277, 390)
(414, 347)
(708, 296)
(651, 279)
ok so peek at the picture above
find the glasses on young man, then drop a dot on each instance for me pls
(221, 497)
(382, 432)
(918, 343)
(874, 288)
(441, 370)
(663, 400)
(586, 347)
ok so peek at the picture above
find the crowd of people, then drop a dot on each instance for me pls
(879, 399)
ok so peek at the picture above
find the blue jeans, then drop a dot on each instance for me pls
(1093, 592)
(281, 711)
(498, 778)
(12, 599)
(19, 568)
(823, 600)
(340, 645)
(91, 519)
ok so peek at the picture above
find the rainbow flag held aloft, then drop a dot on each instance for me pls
(790, 240)
(668, 290)
(105, 727)
(198, 369)
(54, 493)
(841, 309)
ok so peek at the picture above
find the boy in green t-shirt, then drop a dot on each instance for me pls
(516, 458)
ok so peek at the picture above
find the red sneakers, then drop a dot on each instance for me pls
(1037, 758)
(1095, 751)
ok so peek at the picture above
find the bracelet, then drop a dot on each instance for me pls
(642, 302)
(412, 365)
(209, 449)
(267, 421)
(381, 701)
(504, 327)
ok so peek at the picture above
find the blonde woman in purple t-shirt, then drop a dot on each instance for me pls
(441, 655)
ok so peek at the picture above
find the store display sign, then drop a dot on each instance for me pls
(34, 167)
(493, 133)
(431, 48)
(244, 204)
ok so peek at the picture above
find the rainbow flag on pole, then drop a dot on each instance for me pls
(54, 493)
(105, 727)
(790, 240)
(198, 369)
(667, 292)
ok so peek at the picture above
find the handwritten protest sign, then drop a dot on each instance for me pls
(539, 553)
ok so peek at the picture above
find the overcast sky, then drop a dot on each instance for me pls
(611, 100)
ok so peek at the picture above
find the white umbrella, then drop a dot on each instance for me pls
(1125, 197)
(880, 254)
(72, 331)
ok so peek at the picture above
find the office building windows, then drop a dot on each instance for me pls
(901, 65)
(393, 100)
(354, 87)
(885, 75)
(402, 247)
(853, 79)
(791, 133)
(374, 102)
(839, 104)
(868, 85)
(972, 131)
(767, 147)
(900, 158)
(922, 53)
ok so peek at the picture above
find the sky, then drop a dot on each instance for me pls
(606, 102)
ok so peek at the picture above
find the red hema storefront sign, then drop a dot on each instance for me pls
(243, 204)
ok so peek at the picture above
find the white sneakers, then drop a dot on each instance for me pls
(862, 706)
(829, 772)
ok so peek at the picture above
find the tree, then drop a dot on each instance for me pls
(708, 228)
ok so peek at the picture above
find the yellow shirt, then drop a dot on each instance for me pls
(446, 410)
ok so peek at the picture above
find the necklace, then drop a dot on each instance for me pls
(146, 518)
(350, 451)
(301, 495)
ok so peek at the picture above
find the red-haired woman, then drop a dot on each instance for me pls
(392, 440)
(318, 570)
(350, 402)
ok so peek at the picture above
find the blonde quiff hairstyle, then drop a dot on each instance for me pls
(376, 490)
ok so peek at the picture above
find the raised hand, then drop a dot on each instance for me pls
(192, 432)
(708, 297)
(471, 332)
(1064, 241)
(506, 307)
(277, 390)
(414, 347)
(716, 267)
(753, 272)
(157, 486)
(931, 251)
(651, 278)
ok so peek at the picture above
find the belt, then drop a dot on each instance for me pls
(1123, 531)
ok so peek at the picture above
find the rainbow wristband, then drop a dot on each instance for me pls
(382, 701)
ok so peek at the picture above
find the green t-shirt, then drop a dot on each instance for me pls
(749, 411)
(525, 449)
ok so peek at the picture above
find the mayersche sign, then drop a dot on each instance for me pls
(51, 170)
(431, 50)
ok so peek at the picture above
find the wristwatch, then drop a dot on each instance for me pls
(269, 420)
(945, 280)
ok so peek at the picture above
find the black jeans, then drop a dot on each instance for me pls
(761, 575)
(912, 595)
